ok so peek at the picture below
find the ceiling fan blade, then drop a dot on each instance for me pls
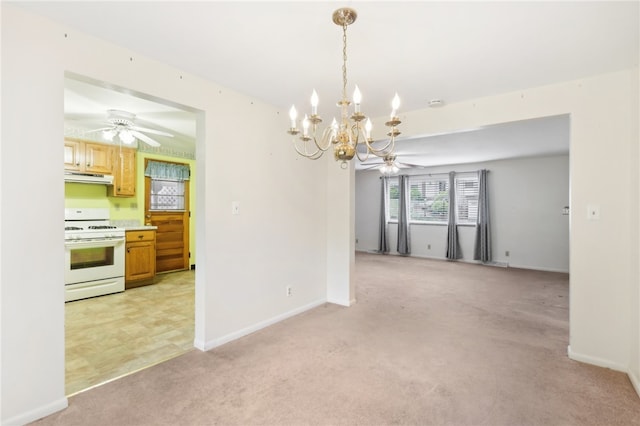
(144, 138)
(369, 166)
(98, 130)
(152, 131)
(404, 165)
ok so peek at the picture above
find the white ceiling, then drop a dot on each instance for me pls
(86, 103)
(279, 51)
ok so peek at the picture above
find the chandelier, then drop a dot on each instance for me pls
(350, 134)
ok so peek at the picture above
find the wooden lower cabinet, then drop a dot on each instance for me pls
(140, 258)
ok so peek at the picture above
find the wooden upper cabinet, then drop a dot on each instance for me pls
(124, 173)
(72, 158)
(98, 158)
(88, 157)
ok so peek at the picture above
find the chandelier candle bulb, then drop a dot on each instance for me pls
(367, 129)
(395, 104)
(314, 103)
(305, 126)
(357, 98)
(293, 114)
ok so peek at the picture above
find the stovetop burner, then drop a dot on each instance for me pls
(102, 227)
(72, 228)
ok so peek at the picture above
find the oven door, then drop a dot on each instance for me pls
(92, 260)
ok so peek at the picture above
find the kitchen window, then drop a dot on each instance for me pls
(167, 189)
(166, 195)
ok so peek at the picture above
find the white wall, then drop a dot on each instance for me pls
(526, 197)
(244, 262)
(634, 230)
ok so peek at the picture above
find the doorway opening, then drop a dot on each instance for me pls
(114, 335)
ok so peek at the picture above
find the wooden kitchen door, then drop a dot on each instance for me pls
(167, 208)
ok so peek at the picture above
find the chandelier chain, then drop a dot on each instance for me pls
(344, 62)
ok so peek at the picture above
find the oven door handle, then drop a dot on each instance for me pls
(102, 242)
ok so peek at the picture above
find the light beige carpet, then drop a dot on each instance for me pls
(428, 343)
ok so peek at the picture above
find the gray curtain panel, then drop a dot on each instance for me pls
(404, 245)
(482, 248)
(453, 245)
(383, 240)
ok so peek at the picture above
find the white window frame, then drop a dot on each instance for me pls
(467, 191)
(429, 199)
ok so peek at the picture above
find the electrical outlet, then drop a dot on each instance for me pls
(289, 291)
(428, 246)
(506, 253)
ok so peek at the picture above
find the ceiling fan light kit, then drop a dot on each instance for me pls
(389, 167)
(353, 130)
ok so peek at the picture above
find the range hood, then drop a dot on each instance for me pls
(94, 178)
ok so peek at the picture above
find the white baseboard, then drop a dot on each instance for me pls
(38, 413)
(633, 378)
(342, 302)
(208, 345)
(635, 381)
(600, 362)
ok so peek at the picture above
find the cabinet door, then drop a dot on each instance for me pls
(98, 158)
(140, 262)
(72, 155)
(124, 179)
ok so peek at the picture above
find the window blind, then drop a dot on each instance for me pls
(429, 198)
(466, 198)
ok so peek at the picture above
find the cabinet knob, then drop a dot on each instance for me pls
(140, 236)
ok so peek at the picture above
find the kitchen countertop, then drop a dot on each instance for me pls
(140, 228)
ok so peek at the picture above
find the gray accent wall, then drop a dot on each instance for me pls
(527, 197)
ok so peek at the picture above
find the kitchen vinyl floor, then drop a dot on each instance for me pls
(114, 335)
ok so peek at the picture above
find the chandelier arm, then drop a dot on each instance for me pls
(305, 145)
(325, 139)
(384, 150)
(313, 156)
(366, 157)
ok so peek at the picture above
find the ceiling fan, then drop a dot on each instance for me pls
(390, 166)
(122, 124)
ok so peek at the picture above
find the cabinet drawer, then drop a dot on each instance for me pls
(133, 236)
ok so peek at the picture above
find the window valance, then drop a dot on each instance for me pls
(167, 171)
